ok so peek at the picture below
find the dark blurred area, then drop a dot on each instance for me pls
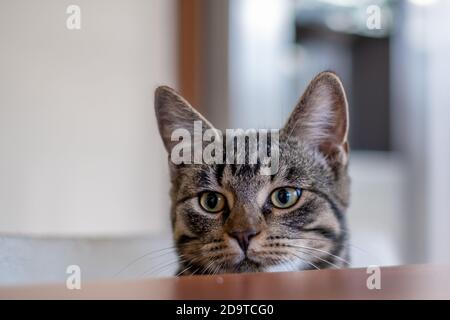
(368, 63)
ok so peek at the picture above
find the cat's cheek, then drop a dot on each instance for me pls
(256, 256)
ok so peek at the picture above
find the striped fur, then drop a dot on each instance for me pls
(313, 156)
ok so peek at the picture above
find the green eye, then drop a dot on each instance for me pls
(285, 197)
(212, 201)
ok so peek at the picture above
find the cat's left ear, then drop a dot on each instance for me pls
(320, 118)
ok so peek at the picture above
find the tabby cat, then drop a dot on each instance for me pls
(230, 218)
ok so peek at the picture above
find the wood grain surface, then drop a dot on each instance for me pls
(400, 282)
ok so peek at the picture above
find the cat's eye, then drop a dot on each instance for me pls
(285, 197)
(212, 202)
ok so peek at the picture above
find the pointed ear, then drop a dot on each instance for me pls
(174, 112)
(320, 118)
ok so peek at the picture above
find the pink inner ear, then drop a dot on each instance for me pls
(323, 118)
(320, 119)
(333, 141)
(335, 153)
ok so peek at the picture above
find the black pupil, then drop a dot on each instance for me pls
(212, 200)
(284, 196)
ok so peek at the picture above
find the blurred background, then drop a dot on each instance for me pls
(83, 173)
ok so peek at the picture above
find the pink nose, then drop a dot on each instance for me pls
(243, 238)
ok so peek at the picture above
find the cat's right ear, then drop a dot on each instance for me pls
(174, 112)
(320, 118)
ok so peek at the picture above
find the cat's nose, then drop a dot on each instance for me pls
(243, 237)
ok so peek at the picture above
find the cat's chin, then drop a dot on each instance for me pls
(247, 265)
(286, 267)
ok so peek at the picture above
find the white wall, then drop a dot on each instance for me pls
(438, 131)
(259, 37)
(375, 213)
(421, 48)
(79, 149)
(26, 260)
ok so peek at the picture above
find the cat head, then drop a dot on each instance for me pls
(230, 217)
